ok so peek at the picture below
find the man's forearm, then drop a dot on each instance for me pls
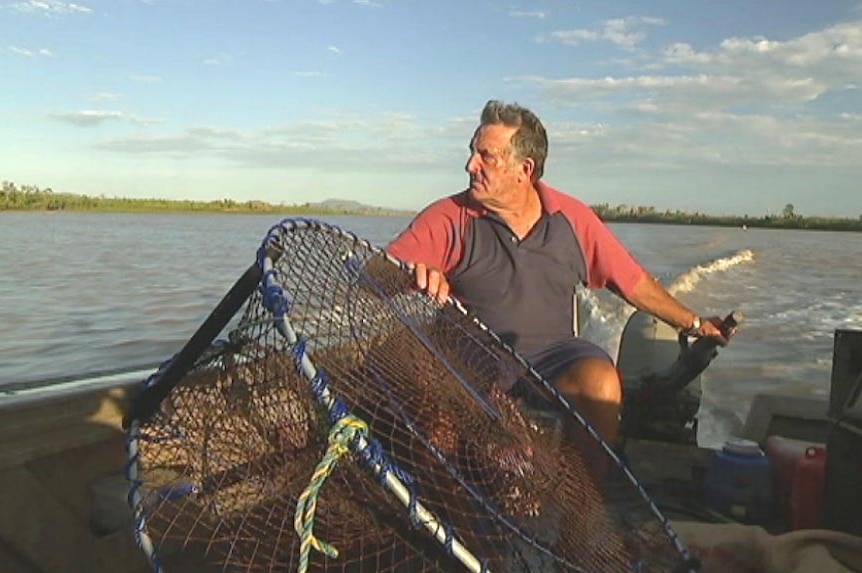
(650, 295)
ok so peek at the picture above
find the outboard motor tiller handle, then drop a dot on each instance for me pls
(692, 361)
(658, 406)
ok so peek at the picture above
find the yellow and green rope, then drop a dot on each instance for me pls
(343, 432)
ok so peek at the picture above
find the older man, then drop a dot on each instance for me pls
(512, 249)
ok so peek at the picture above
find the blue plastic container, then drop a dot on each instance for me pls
(739, 482)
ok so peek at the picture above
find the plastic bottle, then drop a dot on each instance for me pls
(739, 481)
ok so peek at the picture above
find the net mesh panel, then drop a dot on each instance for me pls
(225, 458)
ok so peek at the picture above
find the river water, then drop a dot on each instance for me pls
(87, 292)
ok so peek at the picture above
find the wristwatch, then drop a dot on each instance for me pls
(695, 326)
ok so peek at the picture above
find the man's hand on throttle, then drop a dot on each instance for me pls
(713, 327)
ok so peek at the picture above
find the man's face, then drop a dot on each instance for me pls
(494, 171)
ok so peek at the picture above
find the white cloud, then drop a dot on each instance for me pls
(218, 60)
(575, 37)
(746, 102)
(22, 51)
(539, 14)
(94, 118)
(369, 3)
(832, 56)
(50, 7)
(105, 96)
(145, 79)
(334, 49)
(88, 117)
(27, 53)
(625, 32)
(170, 145)
(215, 133)
(692, 92)
(739, 72)
(715, 140)
(683, 53)
(341, 144)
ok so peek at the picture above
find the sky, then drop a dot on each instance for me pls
(716, 106)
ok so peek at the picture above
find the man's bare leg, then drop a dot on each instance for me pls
(593, 386)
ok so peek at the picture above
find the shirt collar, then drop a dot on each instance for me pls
(548, 196)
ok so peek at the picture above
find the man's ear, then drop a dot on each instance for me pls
(528, 167)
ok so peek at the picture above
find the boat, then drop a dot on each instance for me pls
(661, 373)
(63, 490)
(62, 486)
(784, 494)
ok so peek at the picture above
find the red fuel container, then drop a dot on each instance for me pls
(806, 493)
(784, 453)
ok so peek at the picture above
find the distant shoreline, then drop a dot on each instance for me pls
(29, 198)
(289, 210)
(286, 211)
(275, 210)
(787, 220)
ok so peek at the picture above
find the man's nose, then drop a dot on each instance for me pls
(472, 166)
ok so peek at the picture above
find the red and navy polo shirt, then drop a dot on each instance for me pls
(522, 289)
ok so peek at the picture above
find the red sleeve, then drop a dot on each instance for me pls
(434, 237)
(608, 262)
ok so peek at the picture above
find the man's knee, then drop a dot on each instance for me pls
(591, 378)
(593, 386)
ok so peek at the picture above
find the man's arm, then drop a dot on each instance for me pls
(432, 244)
(650, 295)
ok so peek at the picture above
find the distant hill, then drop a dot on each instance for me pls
(355, 207)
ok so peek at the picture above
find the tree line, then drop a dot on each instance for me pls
(32, 198)
(787, 219)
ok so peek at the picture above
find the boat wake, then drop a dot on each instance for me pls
(687, 281)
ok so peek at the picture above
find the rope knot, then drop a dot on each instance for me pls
(341, 435)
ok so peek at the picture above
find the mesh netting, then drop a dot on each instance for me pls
(451, 473)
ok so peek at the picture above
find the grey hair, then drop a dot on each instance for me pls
(530, 141)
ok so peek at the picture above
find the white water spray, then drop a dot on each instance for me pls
(687, 281)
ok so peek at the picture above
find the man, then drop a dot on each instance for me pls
(512, 249)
